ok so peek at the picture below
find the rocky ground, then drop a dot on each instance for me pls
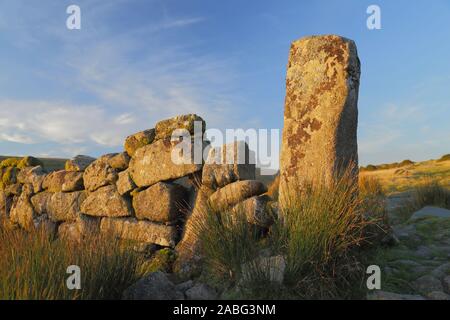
(418, 266)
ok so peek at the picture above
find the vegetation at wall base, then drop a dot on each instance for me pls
(33, 266)
(320, 235)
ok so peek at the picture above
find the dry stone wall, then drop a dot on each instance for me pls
(139, 194)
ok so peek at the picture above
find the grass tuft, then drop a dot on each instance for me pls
(33, 266)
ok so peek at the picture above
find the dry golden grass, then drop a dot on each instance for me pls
(412, 176)
(33, 266)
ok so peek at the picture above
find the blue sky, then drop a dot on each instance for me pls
(133, 63)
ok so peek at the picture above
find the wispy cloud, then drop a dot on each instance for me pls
(128, 84)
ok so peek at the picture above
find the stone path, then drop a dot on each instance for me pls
(418, 267)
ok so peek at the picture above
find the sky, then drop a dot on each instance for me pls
(67, 92)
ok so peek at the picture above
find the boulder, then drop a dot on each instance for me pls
(438, 295)
(385, 295)
(29, 162)
(257, 210)
(63, 180)
(427, 284)
(236, 192)
(159, 203)
(22, 212)
(430, 211)
(446, 284)
(201, 291)
(138, 140)
(106, 202)
(159, 161)
(155, 286)
(78, 163)
(82, 228)
(73, 181)
(8, 176)
(120, 161)
(228, 163)
(141, 231)
(32, 175)
(321, 113)
(59, 206)
(13, 190)
(99, 173)
(124, 183)
(165, 128)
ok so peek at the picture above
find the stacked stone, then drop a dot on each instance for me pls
(149, 195)
(142, 194)
(228, 184)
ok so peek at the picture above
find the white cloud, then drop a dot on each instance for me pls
(62, 123)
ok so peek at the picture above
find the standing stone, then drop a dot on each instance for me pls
(155, 162)
(321, 114)
(159, 203)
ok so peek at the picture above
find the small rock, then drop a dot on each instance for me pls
(228, 163)
(125, 184)
(78, 163)
(120, 161)
(155, 286)
(441, 271)
(201, 291)
(427, 284)
(184, 286)
(404, 232)
(446, 284)
(423, 252)
(138, 140)
(430, 211)
(385, 295)
(63, 180)
(438, 295)
(99, 173)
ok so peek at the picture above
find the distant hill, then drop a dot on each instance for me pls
(50, 164)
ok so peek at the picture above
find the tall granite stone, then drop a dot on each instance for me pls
(321, 113)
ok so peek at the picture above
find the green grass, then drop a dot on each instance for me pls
(33, 266)
(320, 233)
